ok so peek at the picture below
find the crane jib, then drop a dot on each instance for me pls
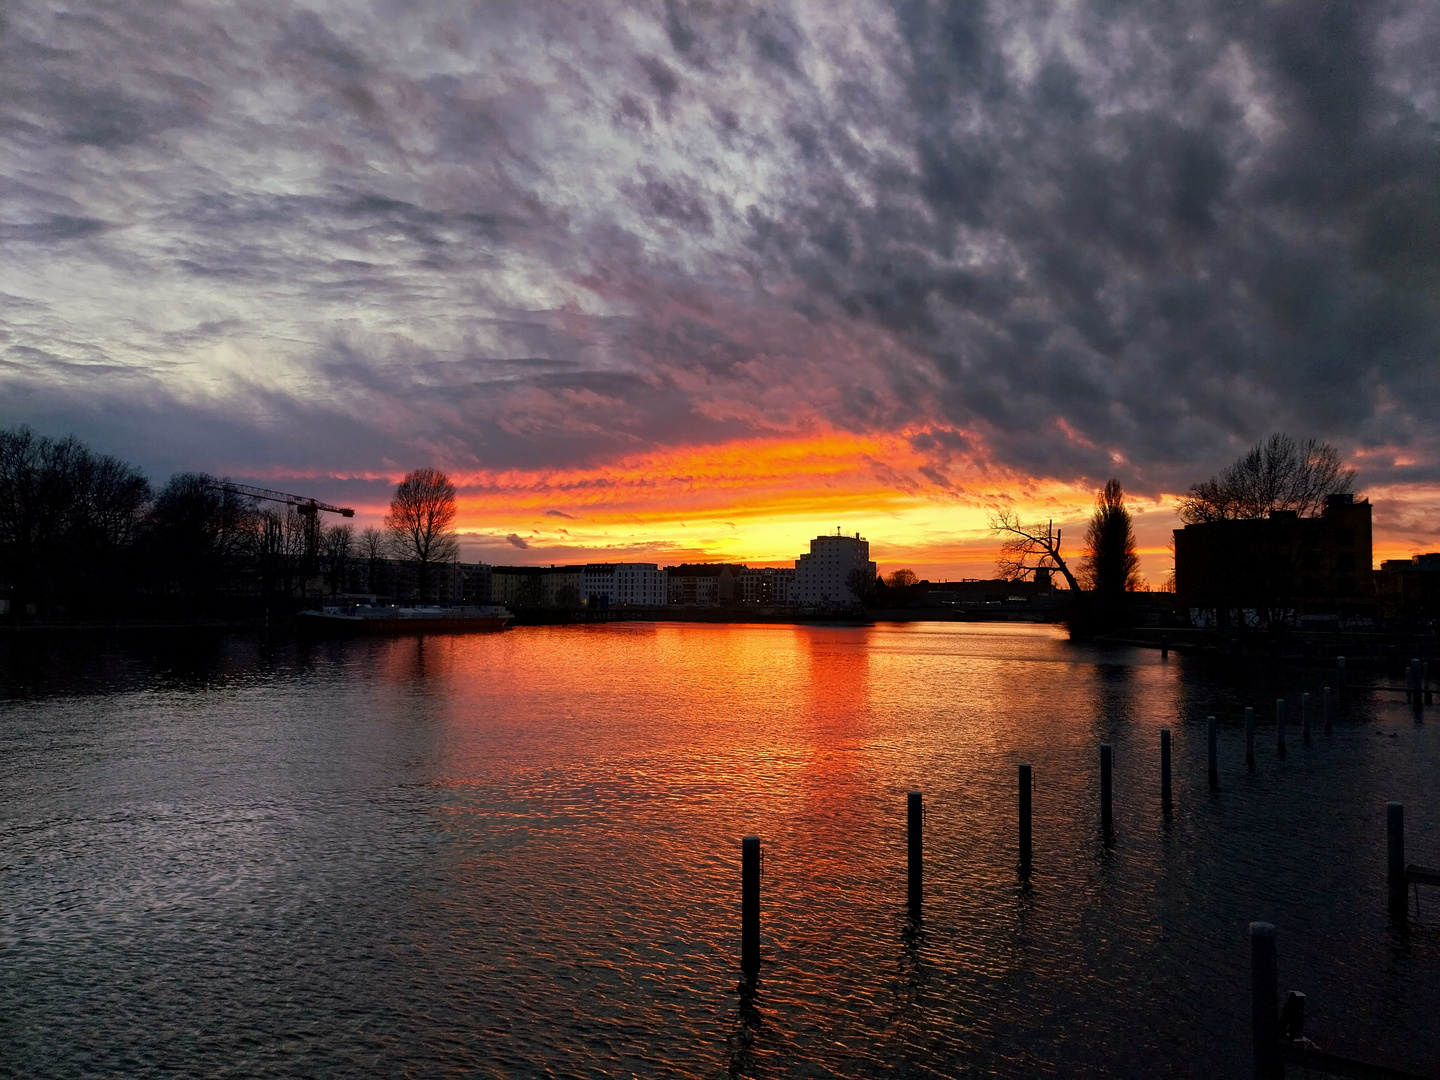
(308, 507)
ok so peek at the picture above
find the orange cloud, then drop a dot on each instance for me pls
(761, 500)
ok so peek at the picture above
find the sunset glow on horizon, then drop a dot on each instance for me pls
(760, 501)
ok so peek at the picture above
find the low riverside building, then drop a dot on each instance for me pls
(1278, 570)
(400, 581)
(704, 584)
(476, 578)
(1408, 591)
(767, 586)
(623, 584)
(537, 586)
(515, 586)
(560, 586)
(822, 577)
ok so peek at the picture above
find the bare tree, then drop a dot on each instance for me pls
(1028, 548)
(69, 518)
(335, 550)
(901, 579)
(1277, 474)
(861, 583)
(372, 550)
(1111, 565)
(200, 537)
(421, 521)
(283, 544)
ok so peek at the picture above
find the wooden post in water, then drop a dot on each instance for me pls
(1329, 707)
(1164, 646)
(1340, 687)
(1264, 991)
(1410, 682)
(1280, 728)
(1395, 856)
(914, 827)
(1418, 694)
(750, 906)
(1305, 719)
(1025, 790)
(1425, 679)
(1165, 769)
(1106, 823)
(1249, 738)
(1211, 750)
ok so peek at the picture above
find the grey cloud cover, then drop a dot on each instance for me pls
(1094, 238)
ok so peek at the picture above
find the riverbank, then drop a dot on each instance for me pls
(1370, 649)
(40, 628)
(775, 615)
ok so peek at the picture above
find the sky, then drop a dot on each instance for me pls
(700, 281)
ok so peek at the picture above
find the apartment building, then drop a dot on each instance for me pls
(623, 584)
(822, 576)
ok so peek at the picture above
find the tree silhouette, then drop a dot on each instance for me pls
(1278, 474)
(1111, 565)
(1028, 548)
(421, 521)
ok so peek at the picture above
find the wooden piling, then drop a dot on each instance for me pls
(1249, 738)
(1165, 769)
(1106, 821)
(750, 906)
(1425, 682)
(1164, 646)
(1025, 789)
(1211, 749)
(1305, 719)
(914, 823)
(1329, 707)
(1410, 681)
(1264, 992)
(1280, 728)
(1395, 856)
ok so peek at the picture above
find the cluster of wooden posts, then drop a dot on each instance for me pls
(1278, 1034)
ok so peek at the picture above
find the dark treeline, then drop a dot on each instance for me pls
(86, 534)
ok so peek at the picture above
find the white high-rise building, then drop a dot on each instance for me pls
(821, 577)
(614, 584)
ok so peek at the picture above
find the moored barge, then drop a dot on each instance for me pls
(362, 619)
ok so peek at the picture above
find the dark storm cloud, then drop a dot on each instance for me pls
(517, 541)
(1073, 241)
(1162, 279)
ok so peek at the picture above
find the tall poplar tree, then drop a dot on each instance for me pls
(1111, 565)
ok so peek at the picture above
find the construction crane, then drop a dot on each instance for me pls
(309, 507)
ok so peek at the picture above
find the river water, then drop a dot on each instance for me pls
(518, 855)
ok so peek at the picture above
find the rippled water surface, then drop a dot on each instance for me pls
(518, 855)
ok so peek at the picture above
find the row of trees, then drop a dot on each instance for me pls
(85, 532)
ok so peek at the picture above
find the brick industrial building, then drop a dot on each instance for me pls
(1278, 570)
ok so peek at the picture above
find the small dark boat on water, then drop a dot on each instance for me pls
(364, 619)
